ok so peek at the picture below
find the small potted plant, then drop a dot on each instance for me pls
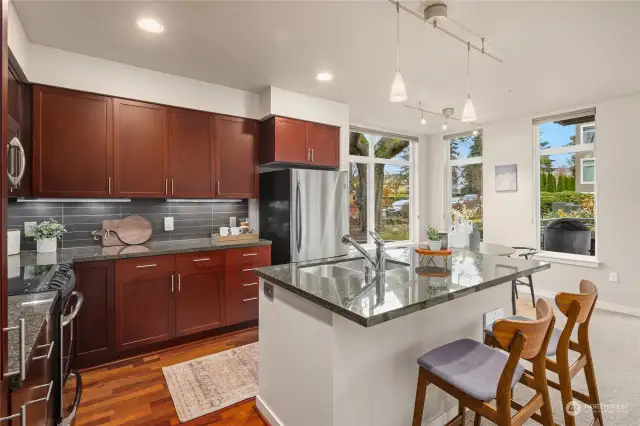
(433, 235)
(46, 234)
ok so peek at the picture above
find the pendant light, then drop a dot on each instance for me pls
(398, 91)
(469, 111)
(423, 120)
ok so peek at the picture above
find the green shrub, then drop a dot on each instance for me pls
(546, 198)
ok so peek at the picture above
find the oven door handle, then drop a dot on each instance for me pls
(67, 421)
(66, 319)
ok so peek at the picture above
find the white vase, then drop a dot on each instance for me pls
(47, 245)
(435, 245)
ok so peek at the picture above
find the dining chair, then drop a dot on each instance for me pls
(527, 253)
(476, 374)
(578, 308)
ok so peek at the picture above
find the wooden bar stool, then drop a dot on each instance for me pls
(476, 374)
(578, 309)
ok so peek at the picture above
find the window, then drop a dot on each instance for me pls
(380, 186)
(566, 213)
(464, 176)
(587, 170)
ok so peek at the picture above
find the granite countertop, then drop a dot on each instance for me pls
(89, 254)
(407, 287)
(35, 308)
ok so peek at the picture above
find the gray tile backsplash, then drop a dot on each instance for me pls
(191, 220)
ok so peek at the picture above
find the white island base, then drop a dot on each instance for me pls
(318, 368)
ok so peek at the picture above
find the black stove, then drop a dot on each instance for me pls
(35, 279)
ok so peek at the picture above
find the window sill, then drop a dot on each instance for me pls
(568, 259)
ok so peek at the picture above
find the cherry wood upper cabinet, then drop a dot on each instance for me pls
(236, 142)
(140, 149)
(324, 143)
(286, 140)
(191, 154)
(72, 142)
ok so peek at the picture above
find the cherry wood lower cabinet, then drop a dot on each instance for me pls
(144, 301)
(95, 323)
(141, 304)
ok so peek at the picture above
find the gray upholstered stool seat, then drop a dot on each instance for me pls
(470, 366)
(553, 342)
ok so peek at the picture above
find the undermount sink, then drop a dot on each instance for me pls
(346, 268)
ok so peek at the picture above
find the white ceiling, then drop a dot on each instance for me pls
(557, 55)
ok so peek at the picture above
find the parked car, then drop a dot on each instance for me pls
(470, 197)
(396, 207)
(456, 200)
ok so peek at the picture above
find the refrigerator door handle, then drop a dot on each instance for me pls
(299, 214)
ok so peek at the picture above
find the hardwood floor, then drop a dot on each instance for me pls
(134, 391)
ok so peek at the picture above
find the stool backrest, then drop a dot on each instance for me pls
(533, 332)
(585, 299)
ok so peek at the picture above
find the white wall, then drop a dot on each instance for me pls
(17, 39)
(508, 217)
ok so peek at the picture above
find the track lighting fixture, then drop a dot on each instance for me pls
(469, 111)
(398, 90)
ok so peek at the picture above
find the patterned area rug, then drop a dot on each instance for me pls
(204, 385)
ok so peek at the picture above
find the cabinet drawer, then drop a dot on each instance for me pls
(241, 304)
(260, 256)
(193, 262)
(242, 272)
(144, 266)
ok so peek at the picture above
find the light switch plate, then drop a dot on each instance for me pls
(168, 223)
(28, 228)
(268, 290)
(492, 316)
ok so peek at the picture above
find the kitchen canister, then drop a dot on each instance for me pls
(13, 241)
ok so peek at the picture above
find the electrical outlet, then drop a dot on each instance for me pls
(28, 228)
(168, 224)
(613, 277)
(492, 316)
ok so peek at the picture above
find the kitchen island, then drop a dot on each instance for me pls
(338, 350)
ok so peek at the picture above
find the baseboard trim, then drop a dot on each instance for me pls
(266, 413)
(601, 305)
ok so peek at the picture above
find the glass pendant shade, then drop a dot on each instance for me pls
(398, 91)
(469, 111)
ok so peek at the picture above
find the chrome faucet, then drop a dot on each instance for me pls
(379, 262)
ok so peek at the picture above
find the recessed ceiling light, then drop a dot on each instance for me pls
(150, 25)
(324, 76)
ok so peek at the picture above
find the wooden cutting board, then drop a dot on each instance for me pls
(133, 230)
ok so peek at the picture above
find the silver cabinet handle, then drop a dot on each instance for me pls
(218, 183)
(249, 284)
(151, 265)
(22, 414)
(250, 299)
(312, 152)
(109, 184)
(48, 355)
(204, 259)
(249, 254)
(248, 269)
(172, 283)
(179, 281)
(22, 351)
(171, 186)
(166, 186)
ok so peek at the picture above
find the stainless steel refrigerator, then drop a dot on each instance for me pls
(304, 213)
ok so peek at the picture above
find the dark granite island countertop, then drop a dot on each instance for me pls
(89, 254)
(406, 288)
(35, 308)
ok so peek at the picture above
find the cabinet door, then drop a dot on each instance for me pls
(324, 142)
(290, 141)
(140, 149)
(199, 301)
(236, 145)
(73, 143)
(95, 280)
(191, 156)
(144, 301)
